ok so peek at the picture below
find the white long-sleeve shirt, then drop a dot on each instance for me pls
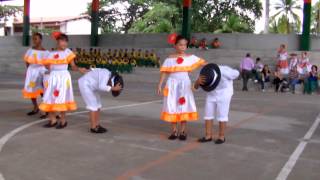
(224, 90)
(97, 79)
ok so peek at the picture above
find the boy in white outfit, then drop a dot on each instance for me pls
(217, 101)
(90, 85)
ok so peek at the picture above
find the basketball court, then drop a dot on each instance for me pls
(270, 136)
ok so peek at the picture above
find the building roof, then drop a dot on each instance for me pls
(36, 20)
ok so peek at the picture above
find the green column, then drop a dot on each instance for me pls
(305, 37)
(186, 22)
(94, 23)
(26, 23)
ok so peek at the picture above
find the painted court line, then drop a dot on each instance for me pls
(287, 168)
(4, 139)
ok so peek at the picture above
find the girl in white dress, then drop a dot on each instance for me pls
(178, 102)
(33, 58)
(58, 96)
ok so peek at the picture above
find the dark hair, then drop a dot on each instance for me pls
(63, 37)
(314, 66)
(248, 55)
(179, 38)
(37, 34)
(258, 59)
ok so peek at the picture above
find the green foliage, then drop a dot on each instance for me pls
(286, 16)
(234, 23)
(165, 15)
(315, 18)
(161, 18)
(7, 11)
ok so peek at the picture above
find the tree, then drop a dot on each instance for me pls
(286, 9)
(7, 11)
(161, 18)
(281, 26)
(234, 24)
(267, 18)
(207, 15)
(315, 18)
(119, 15)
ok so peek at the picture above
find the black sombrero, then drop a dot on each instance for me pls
(213, 75)
(115, 79)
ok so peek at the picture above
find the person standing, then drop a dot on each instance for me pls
(283, 60)
(33, 58)
(246, 67)
(178, 104)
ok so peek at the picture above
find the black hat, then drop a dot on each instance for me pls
(115, 79)
(212, 74)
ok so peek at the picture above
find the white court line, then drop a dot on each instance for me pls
(287, 168)
(4, 139)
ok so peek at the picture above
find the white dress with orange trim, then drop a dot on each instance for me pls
(58, 95)
(33, 86)
(178, 103)
(283, 63)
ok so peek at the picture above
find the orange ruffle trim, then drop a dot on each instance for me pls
(66, 60)
(183, 68)
(70, 106)
(193, 116)
(31, 60)
(31, 95)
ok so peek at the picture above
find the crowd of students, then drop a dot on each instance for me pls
(202, 44)
(116, 60)
(291, 69)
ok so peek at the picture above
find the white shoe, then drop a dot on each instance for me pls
(263, 90)
(255, 81)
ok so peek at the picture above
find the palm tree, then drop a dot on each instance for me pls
(266, 24)
(288, 8)
(234, 23)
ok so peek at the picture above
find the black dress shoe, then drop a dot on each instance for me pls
(220, 141)
(62, 126)
(98, 130)
(173, 136)
(33, 112)
(204, 140)
(50, 125)
(183, 136)
(44, 116)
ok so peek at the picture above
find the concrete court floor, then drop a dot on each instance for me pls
(264, 131)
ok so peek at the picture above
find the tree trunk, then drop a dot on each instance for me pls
(267, 11)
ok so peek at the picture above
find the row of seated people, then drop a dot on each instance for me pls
(309, 78)
(117, 60)
(202, 44)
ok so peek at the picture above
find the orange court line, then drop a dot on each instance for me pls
(188, 147)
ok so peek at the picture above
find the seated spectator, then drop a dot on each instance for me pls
(216, 43)
(193, 43)
(265, 76)
(278, 79)
(294, 79)
(311, 82)
(257, 70)
(203, 44)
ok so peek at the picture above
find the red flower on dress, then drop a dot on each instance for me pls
(56, 93)
(56, 56)
(182, 101)
(180, 60)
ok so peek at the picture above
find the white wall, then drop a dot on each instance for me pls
(77, 27)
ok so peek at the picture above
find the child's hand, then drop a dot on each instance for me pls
(201, 80)
(117, 87)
